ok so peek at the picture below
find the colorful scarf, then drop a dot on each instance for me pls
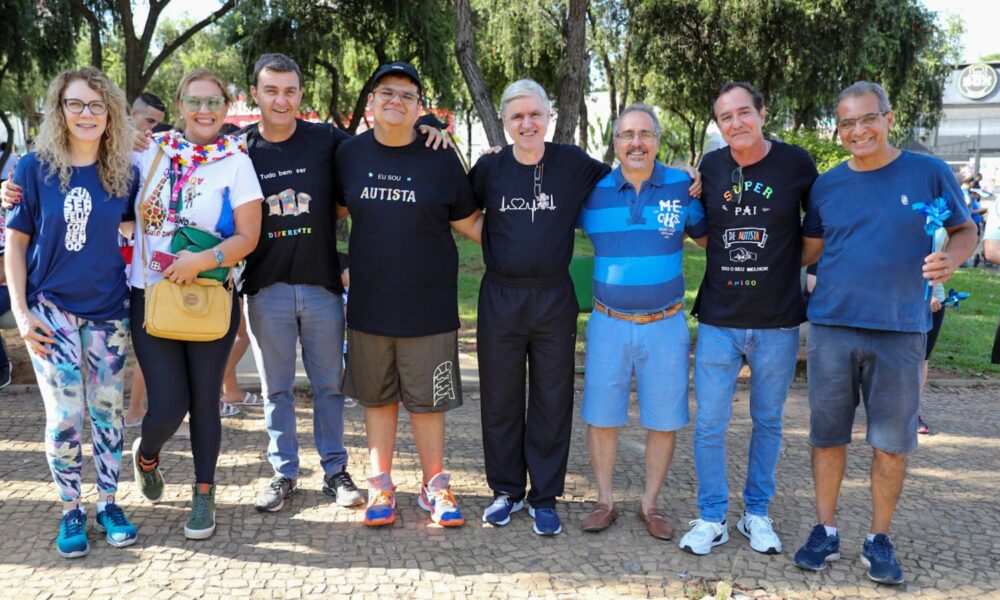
(188, 154)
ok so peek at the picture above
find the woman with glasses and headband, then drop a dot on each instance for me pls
(200, 179)
(68, 290)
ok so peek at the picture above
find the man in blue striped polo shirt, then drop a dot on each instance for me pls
(636, 218)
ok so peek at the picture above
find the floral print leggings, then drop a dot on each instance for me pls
(86, 366)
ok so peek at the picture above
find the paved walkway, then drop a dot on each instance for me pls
(946, 531)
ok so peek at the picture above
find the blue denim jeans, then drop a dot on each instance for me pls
(278, 316)
(720, 353)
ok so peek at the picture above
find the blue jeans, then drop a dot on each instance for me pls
(278, 316)
(720, 353)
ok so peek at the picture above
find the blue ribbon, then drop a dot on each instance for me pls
(936, 212)
(954, 298)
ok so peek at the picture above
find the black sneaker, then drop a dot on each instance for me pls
(272, 498)
(5, 372)
(342, 488)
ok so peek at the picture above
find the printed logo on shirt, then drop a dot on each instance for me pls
(749, 187)
(669, 215)
(541, 202)
(388, 194)
(756, 236)
(76, 212)
(288, 203)
(444, 386)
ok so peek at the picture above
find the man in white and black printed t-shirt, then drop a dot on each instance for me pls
(749, 309)
(402, 320)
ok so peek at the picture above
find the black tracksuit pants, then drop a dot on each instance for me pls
(526, 322)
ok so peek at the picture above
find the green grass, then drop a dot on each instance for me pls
(963, 348)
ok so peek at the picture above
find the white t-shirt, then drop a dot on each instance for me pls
(201, 206)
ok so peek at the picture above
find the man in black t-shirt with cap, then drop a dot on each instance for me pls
(402, 319)
(749, 309)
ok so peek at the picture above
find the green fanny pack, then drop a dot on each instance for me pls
(193, 239)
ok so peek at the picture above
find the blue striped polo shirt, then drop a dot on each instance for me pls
(638, 238)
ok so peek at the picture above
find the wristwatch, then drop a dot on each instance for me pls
(219, 257)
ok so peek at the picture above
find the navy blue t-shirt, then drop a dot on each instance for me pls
(73, 257)
(404, 263)
(870, 273)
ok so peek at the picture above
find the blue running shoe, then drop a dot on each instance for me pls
(72, 540)
(546, 521)
(120, 531)
(880, 558)
(498, 513)
(437, 499)
(818, 550)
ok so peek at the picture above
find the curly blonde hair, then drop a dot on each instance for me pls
(200, 74)
(114, 157)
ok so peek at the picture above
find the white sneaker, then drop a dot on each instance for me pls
(760, 532)
(704, 536)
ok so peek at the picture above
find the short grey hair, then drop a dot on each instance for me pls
(862, 88)
(638, 107)
(520, 89)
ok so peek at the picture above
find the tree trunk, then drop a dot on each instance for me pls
(584, 124)
(574, 72)
(465, 53)
(94, 24)
(10, 141)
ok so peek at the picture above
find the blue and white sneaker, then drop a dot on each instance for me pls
(818, 550)
(437, 499)
(120, 531)
(546, 521)
(498, 513)
(880, 558)
(72, 541)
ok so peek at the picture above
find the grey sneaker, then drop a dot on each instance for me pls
(272, 498)
(201, 523)
(342, 488)
(150, 482)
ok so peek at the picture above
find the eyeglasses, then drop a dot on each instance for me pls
(387, 94)
(627, 136)
(866, 121)
(97, 107)
(737, 179)
(212, 103)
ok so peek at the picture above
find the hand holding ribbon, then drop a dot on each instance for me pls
(936, 212)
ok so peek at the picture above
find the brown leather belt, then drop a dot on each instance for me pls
(640, 318)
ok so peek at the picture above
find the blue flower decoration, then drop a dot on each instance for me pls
(936, 212)
(954, 298)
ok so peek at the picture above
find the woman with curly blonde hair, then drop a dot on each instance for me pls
(68, 290)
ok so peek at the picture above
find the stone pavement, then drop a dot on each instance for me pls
(946, 531)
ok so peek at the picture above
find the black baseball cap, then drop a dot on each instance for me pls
(398, 68)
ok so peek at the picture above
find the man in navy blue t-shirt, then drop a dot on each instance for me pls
(870, 313)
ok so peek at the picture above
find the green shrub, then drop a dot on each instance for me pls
(824, 151)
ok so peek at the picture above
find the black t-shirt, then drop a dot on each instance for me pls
(524, 236)
(297, 243)
(754, 247)
(404, 264)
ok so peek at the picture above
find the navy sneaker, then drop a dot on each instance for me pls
(498, 513)
(818, 550)
(72, 540)
(546, 521)
(880, 558)
(120, 531)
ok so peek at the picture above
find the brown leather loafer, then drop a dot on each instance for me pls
(600, 518)
(657, 523)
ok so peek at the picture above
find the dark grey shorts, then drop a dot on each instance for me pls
(420, 372)
(847, 365)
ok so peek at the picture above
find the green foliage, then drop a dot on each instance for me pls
(825, 152)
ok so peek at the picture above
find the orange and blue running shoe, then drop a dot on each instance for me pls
(381, 508)
(437, 499)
